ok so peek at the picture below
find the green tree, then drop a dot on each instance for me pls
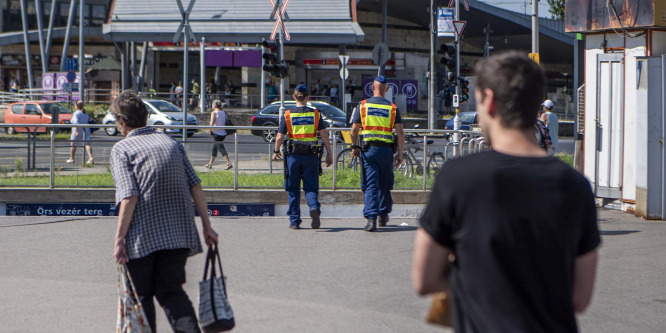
(556, 9)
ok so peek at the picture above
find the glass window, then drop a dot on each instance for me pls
(329, 111)
(17, 108)
(50, 108)
(467, 117)
(272, 109)
(165, 106)
(98, 15)
(32, 109)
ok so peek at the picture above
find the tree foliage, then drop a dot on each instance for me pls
(556, 9)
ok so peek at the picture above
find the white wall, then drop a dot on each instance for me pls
(592, 49)
(635, 47)
(658, 42)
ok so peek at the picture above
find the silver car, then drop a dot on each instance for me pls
(161, 113)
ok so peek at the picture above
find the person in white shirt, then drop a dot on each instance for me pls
(218, 118)
(79, 134)
(551, 121)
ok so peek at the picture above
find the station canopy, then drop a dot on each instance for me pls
(247, 21)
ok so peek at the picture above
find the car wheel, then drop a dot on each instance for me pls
(269, 135)
(111, 131)
(11, 130)
(159, 130)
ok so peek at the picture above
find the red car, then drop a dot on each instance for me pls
(34, 112)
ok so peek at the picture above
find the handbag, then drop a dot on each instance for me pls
(131, 317)
(440, 310)
(228, 122)
(215, 314)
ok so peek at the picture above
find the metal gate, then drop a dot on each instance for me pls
(609, 125)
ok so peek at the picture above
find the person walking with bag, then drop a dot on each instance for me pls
(302, 156)
(218, 118)
(156, 233)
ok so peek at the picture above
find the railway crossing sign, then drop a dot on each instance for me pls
(185, 23)
(279, 12)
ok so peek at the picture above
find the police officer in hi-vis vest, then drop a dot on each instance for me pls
(302, 156)
(377, 117)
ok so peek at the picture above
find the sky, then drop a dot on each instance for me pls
(520, 6)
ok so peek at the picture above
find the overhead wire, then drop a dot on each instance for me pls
(611, 7)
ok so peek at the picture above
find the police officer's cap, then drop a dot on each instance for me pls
(380, 79)
(302, 88)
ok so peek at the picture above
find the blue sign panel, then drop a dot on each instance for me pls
(64, 209)
(241, 210)
(109, 209)
(71, 64)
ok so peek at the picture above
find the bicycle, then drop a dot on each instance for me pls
(345, 160)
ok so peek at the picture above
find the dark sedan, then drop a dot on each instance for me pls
(268, 116)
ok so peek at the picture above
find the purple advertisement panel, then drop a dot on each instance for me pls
(220, 58)
(407, 87)
(410, 88)
(247, 58)
(48, 82)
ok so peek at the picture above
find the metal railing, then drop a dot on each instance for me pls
(248, 161)
(105, 96)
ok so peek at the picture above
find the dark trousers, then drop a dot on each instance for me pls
(306, 168)
(161, 274)
(218, 145)
(378, 169)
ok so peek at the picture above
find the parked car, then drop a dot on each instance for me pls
(161, 113)
(268, 116)
(35, 112)
(467, 119)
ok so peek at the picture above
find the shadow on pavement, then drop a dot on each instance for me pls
(388, 228)
(617, 232)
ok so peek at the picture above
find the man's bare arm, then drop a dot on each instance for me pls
(430, 264)
(125, 213)
(584, 275)
(278, 142)
(356, 127)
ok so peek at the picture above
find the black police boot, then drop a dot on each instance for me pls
(316, 222)
(383, 220)
(371, 226)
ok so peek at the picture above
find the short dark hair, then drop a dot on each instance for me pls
(518, 85)
(130, 108)
(80, 105)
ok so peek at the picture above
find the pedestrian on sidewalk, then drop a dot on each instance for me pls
(552, 123)
(376, 118)
(80, 135)
(156, 233)
(218, 118)
(303, 156)
(511, 233)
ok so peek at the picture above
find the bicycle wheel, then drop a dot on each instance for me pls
(345, 160)
(406, 168)
(435, 163)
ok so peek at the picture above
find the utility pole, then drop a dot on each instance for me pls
(82, 58)
(486, 46)
(535, 26)
(433, 69)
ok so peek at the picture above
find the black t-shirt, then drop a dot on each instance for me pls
(516, 226)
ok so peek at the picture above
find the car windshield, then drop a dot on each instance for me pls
(165, 106)
(329, 111)
(50, 108)
(467, 118)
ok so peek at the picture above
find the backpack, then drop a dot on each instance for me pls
(542, 135)
(229, 123)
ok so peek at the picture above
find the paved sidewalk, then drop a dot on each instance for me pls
(57, 275)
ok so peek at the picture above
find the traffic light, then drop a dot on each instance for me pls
(448, 59)
(275, 68)
(464, 89)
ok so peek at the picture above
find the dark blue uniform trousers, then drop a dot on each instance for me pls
(305, 168)
(378, 172)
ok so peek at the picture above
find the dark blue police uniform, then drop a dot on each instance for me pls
(301, 167)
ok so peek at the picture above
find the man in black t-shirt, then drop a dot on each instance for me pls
(510, 233)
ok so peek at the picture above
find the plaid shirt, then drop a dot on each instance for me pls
(154, 167)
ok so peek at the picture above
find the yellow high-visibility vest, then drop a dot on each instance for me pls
(302, 126)
(377, 121)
